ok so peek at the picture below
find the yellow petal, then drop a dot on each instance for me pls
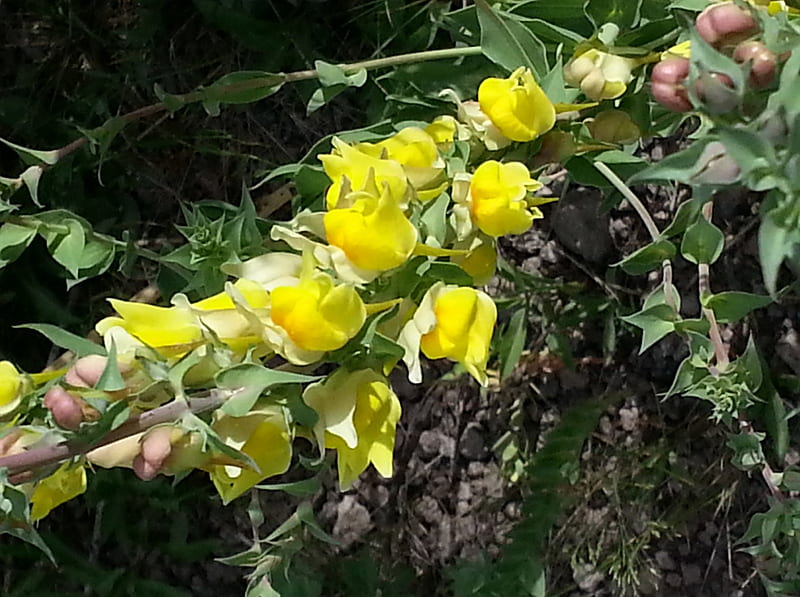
(66, 483)
(10, 383)
(517, 106)
(155, 326)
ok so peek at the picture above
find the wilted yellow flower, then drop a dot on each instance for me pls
(358, 414)
(357, 167)
(10, 387)
(66, 483)
(600, 75)
(374, 233)
(497, 198)
(451, 322)
(517, 105)
(264, 436)
(317, 314)
(480, 262)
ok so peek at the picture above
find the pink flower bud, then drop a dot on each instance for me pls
(667, 84)
(65, 407)
(725, 24)
(156, 447)
(763, 62)
(86, 371)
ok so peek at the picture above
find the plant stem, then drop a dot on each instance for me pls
(39, 457)
(704, 288)
(271, 81)
(666, 266)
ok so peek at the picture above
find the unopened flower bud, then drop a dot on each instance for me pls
(66, 409)
(556, 147)
(725, 24)
(716, 166)
(668, 84)
(614, 126)
(763, 62)
(156, 447)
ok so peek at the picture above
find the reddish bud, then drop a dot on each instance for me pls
(65, 407)
(86, 371)
(763, 62)
(725, 24)
(667, 84)
(156, 447)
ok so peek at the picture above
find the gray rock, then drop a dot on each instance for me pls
(665, 561)
(472, 445)
(353, 521)
(691, 574)
(433, 442)
(581, 227)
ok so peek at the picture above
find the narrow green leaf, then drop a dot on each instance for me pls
(686, 215)
(513, 342)
(111, 379)
(624, 13)
(80, 346)
(775, 242)
(505, 41)
(33, 156)
(304, 488)
(702, 242)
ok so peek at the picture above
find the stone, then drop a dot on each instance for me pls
(665, 561)
(472, 445)
(353, 521)
(582, 227)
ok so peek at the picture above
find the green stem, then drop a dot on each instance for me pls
(666, 265)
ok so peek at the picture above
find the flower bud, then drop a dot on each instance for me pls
(667, 84)
(66, 409)
(716, 166)
(763, 62)
(557, 146)
(156, 447)
(725, 24)
(614, 126)
(716, 91)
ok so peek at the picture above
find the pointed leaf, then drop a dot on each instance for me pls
(80, 346)
(505, 41)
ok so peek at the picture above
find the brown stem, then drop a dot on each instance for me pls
(18, 464)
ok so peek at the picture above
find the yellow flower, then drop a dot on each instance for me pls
(358, 414)
(356, 167)
(517, 105)
(774, 7)
(681, 50)
(167, 329)
(600, 75)
(10, 387)
(264, 436)
(443, 131)
(497, 198)
(373, 233)
(318, 315)
(66, 483)
(451, 322)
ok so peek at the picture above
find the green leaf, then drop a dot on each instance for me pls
(15, 516)
(31, 178)
(775, 242)
(249, 381)
(686, 215)
(14, 239)
(180, 369)
(111, 379)
(624, 13)
(304, 488)
(747, 453)
(655, 322)
(702, 242)
(242, 87)
(513, 342)
(172, 102)
(80, 346)
(731, 306)
(505, 41)
(33, 156)
(676, 167)
(774, 415)
(66, 248)
(648, 257)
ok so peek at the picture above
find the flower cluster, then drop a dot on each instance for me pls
(379, 275)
